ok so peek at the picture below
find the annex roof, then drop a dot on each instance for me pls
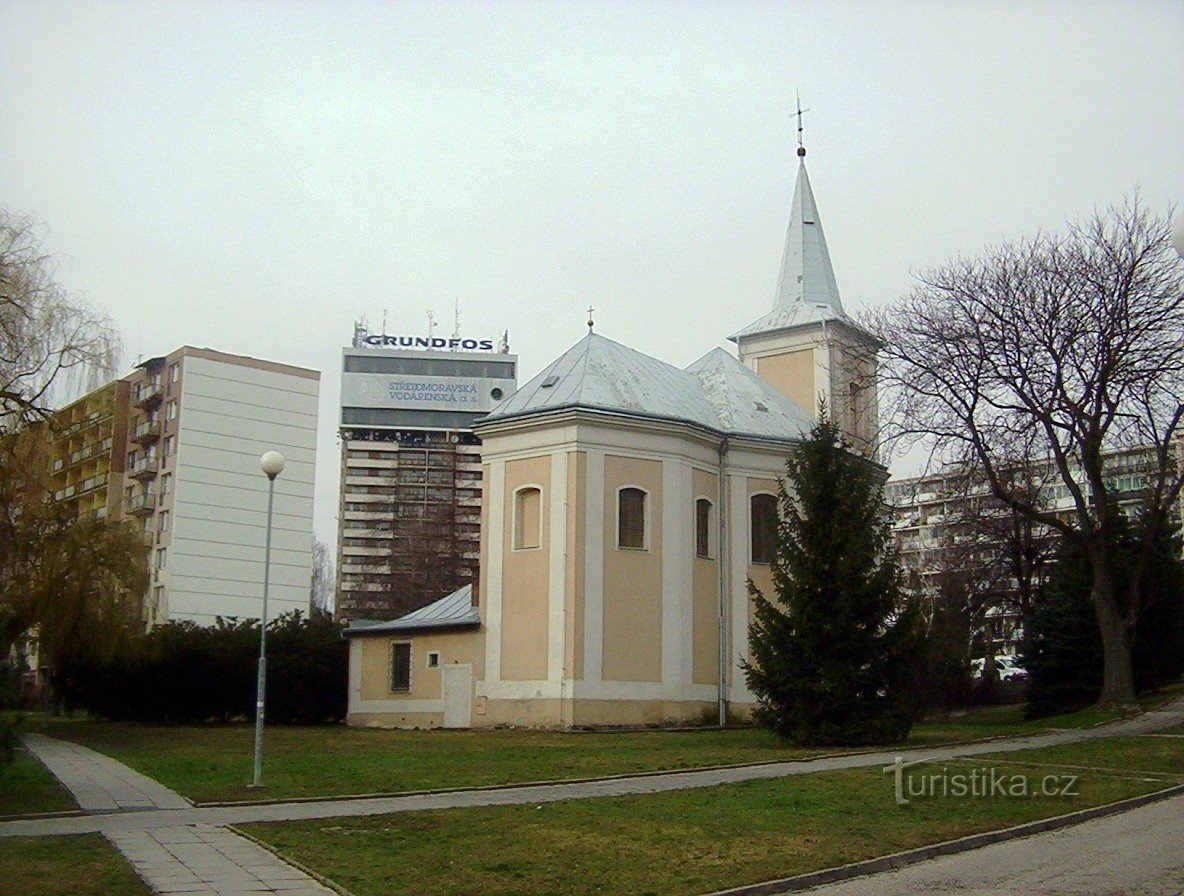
(717, 392)
(454, 611)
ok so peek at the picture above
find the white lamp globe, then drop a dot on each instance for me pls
(272, 463)
(1178, 233)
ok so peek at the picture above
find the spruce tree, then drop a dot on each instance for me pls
(831, 649)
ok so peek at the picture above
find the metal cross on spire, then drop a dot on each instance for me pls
(799, 113)
(590, 310)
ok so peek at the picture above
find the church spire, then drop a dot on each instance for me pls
(806, 272)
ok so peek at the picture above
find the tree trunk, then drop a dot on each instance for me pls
(1118, 677)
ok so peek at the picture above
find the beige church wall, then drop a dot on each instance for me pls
(792, 374)
(395, 719)
(577, 524)
(525, 573)
(632, 633)
(557, 713)
(705, 586)
(375, 662)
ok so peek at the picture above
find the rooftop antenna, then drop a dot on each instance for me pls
(456, 318)
(799, 113)
(590, 323)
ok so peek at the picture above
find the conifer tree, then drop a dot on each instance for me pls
(831, 648)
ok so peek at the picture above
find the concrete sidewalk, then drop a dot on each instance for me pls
(184, 857)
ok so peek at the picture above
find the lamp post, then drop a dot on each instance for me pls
(272, 463)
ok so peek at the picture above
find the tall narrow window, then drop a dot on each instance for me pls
(764, 528)
(631, 518)
(401, 667)
(703, 528)
(527, 518)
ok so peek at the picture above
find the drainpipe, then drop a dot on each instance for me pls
(722, 562)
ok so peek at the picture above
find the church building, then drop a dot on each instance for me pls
(626, 504)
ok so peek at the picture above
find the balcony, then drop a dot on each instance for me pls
(143, 469)
(143, 504)
(146, 432)
(94, 482)
(148, 395)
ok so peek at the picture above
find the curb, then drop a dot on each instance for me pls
(319, 878)
(946, 848)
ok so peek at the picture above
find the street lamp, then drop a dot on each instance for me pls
(272, 463)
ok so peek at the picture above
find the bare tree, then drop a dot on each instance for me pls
(324, 582)
(49, 341)
(1049, 353)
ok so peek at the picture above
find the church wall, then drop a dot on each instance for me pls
(792, 374)
(632, 631)
(705, 609)
(525, 573)
(761, 574)
(577, 525)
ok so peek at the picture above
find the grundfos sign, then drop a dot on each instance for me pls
(428, 342)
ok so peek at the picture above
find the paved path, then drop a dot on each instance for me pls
(1136, 852)
(182, 858)
(99, 783)
(145, 835)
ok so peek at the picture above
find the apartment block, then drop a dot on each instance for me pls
(174, 447)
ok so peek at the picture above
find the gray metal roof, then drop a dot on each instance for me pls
(717, 392)
(807, 292)
(454, 611)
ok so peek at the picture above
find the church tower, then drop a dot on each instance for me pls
(807, 347)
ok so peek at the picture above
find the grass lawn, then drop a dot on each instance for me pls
(685, 842)
(212, 763)
(26, 787)
(84, 865)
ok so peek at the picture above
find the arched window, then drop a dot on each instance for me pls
(703, 528)
(631, 518)
(528, 518)
(764, 527)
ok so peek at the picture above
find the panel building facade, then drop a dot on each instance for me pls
(174, 448)
(410, 517)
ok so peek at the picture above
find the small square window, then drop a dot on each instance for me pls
(433, 659)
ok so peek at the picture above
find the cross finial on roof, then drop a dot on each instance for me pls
(799, 113)
(590, 310)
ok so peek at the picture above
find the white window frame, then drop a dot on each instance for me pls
(174, 371)
(170, 409)
(433, 660)
(514, 508)
(646, 515)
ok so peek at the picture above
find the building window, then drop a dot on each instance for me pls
(174, 372)
(162, 523)
(401, 667)
(433, 659)
(170, 410)
(764, 528)
(166, 484)
(528, 504)
(170, 445)
(631, 518)
(703, 528)
(131, 459)
(162, 558)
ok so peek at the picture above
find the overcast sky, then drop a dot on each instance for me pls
(253, 176)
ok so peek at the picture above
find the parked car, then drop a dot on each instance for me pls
(1008, 668)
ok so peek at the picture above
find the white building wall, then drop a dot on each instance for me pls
(230, 414)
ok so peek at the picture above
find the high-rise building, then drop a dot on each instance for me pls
(410, 520)
(174, 447)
